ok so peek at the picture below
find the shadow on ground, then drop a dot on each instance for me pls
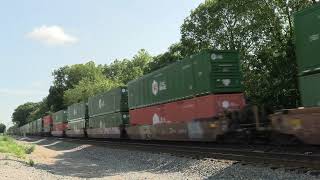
(88, 161)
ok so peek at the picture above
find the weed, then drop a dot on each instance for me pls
(30, 162)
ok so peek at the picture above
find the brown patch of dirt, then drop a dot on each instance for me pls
(44, 155)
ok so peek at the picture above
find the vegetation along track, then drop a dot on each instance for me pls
(306, 158)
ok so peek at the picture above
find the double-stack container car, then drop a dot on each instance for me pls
(47, 125)
(108, 114)
(304, 122)
(182, 100)
(76, 117)
(60, 123)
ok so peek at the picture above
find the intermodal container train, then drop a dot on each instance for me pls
(198, 98)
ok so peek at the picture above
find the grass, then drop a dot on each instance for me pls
(10, 146)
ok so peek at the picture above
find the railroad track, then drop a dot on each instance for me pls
(265, 155)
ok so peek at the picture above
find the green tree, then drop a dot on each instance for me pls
(41, 110)
(22, 112)
(2, 128)
(68, 77)
(174, 53)
(88, 87)
(123, 71)
(262, 32)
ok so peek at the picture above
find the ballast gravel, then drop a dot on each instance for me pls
(74, 161)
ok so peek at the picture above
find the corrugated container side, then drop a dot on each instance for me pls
(76, 111)
(109, 120)
(59, 117)
(60, 122)
(115, 100)
(198, 108)
(205, 73)
(38, 125)
(309, 90)
(47, 123)
(307, 39)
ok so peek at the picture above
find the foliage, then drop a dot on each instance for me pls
(2, 128)
(175, 52)
(127, 70)
(68, 77)
(87, 88)
(21, 113)
(262, 32)
(31, 162)
(10, 146)
(40, 110)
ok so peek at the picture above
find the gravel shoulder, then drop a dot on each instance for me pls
(56, 159)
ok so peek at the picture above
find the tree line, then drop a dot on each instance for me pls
(262, 31)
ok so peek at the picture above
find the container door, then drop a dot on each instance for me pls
(188, 87)
(201, 73)
(307, 31)
(309, 89)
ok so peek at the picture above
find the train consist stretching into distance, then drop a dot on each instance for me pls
(199, 98)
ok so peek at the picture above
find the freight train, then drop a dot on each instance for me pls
(199, 98)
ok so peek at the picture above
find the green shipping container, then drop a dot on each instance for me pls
(109, 120)
(77, 114)
(307, 37)
(310, 90)
(209, 72)
(33, 127)
(59, 117)
(115, 100)
(38, 123)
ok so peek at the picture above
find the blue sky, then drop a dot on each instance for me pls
(38, 36)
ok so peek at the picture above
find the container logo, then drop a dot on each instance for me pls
(155, 87)
(101, 103)
(225, 104)
(226, 82)
(155, 119)
(313, 37)
(216, 56)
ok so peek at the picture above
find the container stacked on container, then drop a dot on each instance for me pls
(77, 116)
(39, 126)
(307, 37)
(47, 125)
(60, 123)
(108, 114)
(179, 101)
(304, 123)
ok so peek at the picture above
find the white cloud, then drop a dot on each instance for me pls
(52, 35)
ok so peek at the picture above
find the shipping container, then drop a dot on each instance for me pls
(33, 127)
(198, 108)
(310, 90)
(307, 37)
(47, 124)
(115, 100)
(60, 123)
(209, 72)
(25, 130)
(76, 116)
(107, 125)
(39, 126)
